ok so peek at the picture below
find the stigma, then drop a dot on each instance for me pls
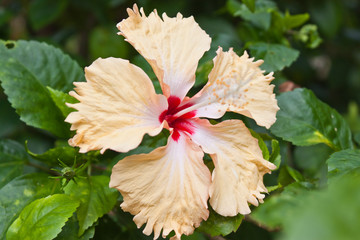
(178, 124)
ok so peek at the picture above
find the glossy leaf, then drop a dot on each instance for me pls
(12, 159)
(343, 162)
(52, 156)
(219, 225)
(288, 175)
(24, 80)
(95, 196)
(60, 98)
(276, 56)
(25, 93)
(43, 218)
(259, 17)
(20, 192)
(275, 156)
(60, 71)
(304, 120)
(293, 21)
(262, 145)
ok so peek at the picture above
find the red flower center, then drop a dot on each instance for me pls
(178, 123)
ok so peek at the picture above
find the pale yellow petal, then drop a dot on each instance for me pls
(239, 165)
(172, 46)
(118, 105)
(237, 84)
(167, 189)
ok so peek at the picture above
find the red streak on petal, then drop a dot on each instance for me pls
(178, 124)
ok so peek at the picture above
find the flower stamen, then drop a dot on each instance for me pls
(178, 123)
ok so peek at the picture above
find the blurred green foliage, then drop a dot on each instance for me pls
(314, 193)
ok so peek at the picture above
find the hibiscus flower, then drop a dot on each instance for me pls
(169, 188)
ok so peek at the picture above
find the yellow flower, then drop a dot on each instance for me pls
(168, 189)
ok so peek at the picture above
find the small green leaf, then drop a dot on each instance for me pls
(343, 162)
(288, 175)
(260, 17)
(20, 192)
(219, 225)
(293, 21)
(96, 199)
(12, 160)
(275, 56)
(262, 145)
(43, 12)
(309, 35)
(295, 174)
(279, 208)
(275, 156)
(60, 98)
(52, 156)
(43, 218)
(304, 120)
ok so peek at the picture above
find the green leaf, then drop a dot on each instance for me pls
(71, 229)
(279, 208)
(262, 145)
(60, 98)
(309, 35)
(219, 225)
(43, 12)
(343, 162)
(288, 175)
(275, 56)
(250, 4)
(31, 100)
(43, 218)
(20, 192)
(332, 214)
(295, 174)
(293, 21)
(12, 160)
(275, 156)
(52, 156)
(96, 199)
(260, 17)
(60, 71)
(24, 79)
(304, 120)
